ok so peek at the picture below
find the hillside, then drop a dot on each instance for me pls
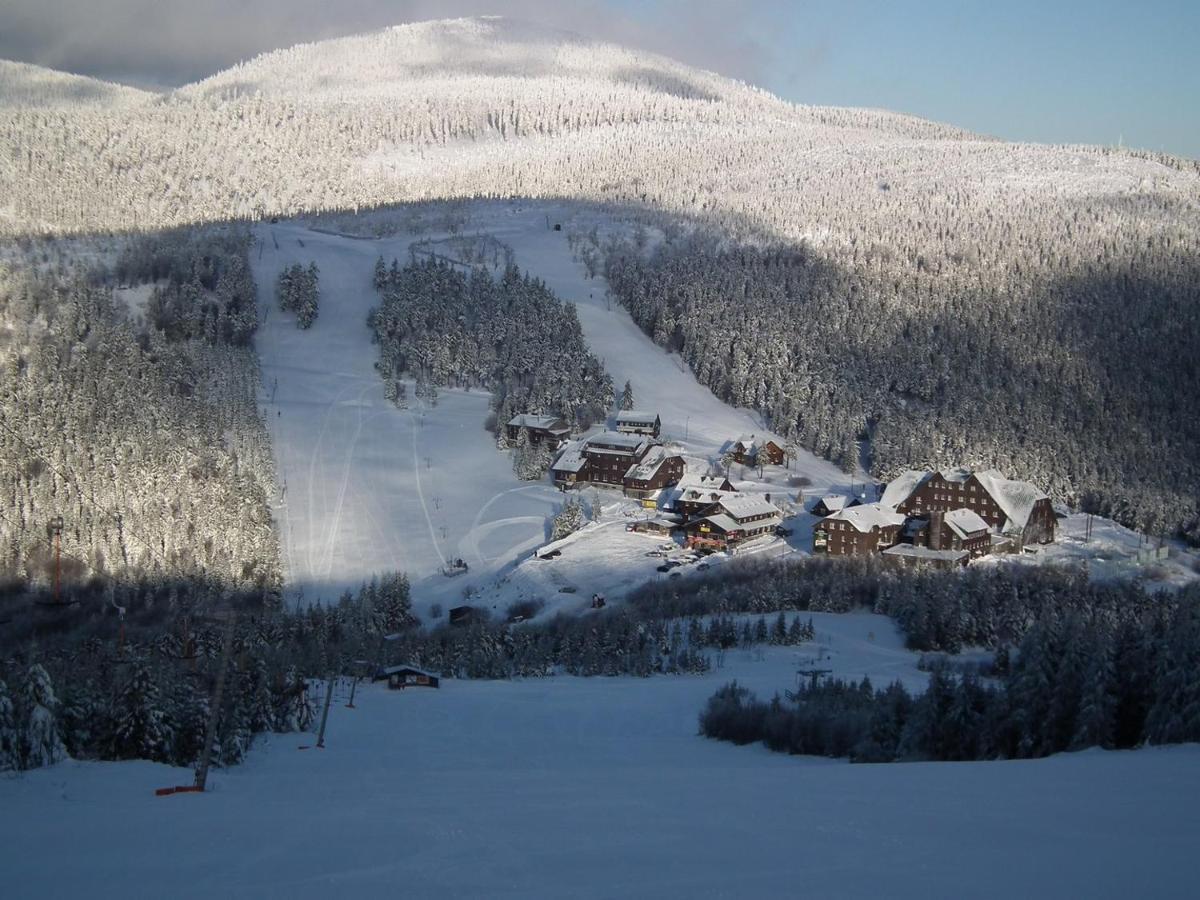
(27, 86)
(882, 277)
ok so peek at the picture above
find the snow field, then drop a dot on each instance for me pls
(600, 787)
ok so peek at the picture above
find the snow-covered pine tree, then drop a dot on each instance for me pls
(308, 297)
(141, 729)
(10, 751)
(41, 744)
(568, 520)
(627, 397)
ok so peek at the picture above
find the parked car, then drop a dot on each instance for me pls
(567, 589)
(664, 568)
(674, 574)
(783, 532)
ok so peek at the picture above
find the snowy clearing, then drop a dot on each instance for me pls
(600, 787)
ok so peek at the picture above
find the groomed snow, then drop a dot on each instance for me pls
(371, 488)
(601, 788)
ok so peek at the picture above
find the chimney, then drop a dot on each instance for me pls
(935, 530)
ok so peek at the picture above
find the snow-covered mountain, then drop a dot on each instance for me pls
(485, 107)
(27, 86)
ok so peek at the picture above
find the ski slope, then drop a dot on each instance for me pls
(600, 787)
(366, 487)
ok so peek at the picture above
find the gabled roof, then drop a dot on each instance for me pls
(615, 439)
(650, 464)
(834, 502)
(955, 476)
(393, 670)
(867, 516)
(902, 487)
(1016, 499)
(570, 460)
(965, 522)
(547, 423)
(742, 505)
(635, 415)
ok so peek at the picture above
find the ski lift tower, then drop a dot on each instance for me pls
(55, 528)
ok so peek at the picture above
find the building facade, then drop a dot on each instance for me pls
(636, 421)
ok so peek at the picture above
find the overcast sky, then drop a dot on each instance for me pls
(1094, 71)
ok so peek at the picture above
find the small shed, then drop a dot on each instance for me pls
(400, 677)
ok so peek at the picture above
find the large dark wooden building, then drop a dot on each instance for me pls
(549, 430)
(656, 470)
(697, 492)
(633, 462)
(732, 520)
(1013, 508)
(858, 530)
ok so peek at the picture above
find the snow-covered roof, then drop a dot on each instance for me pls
(547, 423)
(955, 476)
(722, 521)
(965, 522)
(1015, 498)
(740, 506)
(912, 551)
(614, 439)
(834, 502)
(902, 486)
(868, 516)
(392, 670)
(571, 460)
(634, 416)
(646, 469)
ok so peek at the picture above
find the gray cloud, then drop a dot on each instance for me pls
(169, 42)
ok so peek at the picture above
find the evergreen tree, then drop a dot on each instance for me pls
(568, 520)
(141, 729)
(41, 744)
(10, 751)
(626, 402)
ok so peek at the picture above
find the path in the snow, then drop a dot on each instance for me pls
(369, 487)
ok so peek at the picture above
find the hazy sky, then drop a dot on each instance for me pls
(1094, 71)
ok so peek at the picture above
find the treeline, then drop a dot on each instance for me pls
(1074, 684)
(298, 291)
(987, 606)
(142, 433)
(1027, 375)
(140, 686)
(510, 335)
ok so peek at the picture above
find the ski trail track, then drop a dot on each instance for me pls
(358, 502)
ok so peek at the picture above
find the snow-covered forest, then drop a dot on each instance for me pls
(139, 426)
(510, 335)
(908, 275)
(1079, 373)
(1076, 683)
